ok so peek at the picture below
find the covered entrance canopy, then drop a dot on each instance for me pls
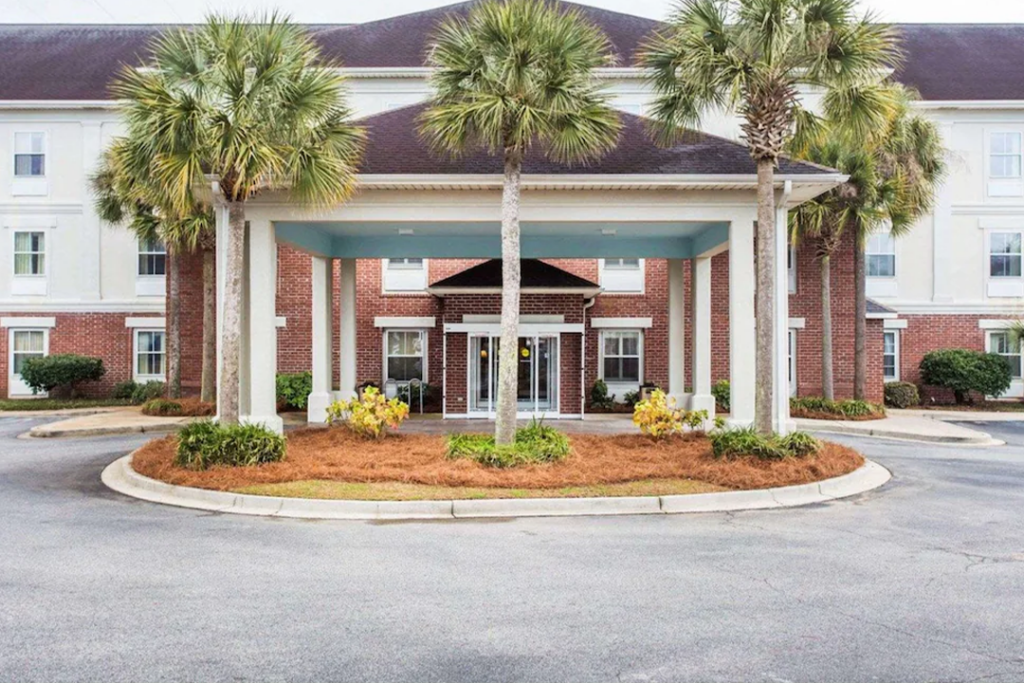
(684, 203)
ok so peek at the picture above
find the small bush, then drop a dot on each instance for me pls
(161, 407)
(205, 444)
(631, 398)
(61, 373)
(901, 395)
(144, 393)
(536, 443)
(963, 371)
(720, 390)
(599, 397)
(371, 415)
(734, 443)
(184, 407)
(123, 391)
(659, 417)
(293, 390)
(847, 409)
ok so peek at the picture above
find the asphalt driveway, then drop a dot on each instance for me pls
(922, 580)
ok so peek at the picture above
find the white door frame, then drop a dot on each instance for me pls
(491, 405)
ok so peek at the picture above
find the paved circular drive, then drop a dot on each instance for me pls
(917, 581)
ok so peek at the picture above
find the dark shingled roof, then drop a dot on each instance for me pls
(535, 275)
(876, 308)
(395, 147)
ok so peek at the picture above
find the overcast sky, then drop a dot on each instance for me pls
(347, 11)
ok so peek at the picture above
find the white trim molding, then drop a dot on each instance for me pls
(797, 323)
(526, 318)
(894, 324)
(405, 322)
(525, 329)
(621, 323)
(15, 321)
(997, 324)
(280, 321)
(146, 322)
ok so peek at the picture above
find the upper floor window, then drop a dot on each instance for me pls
(1005, 155)
(622, 274)
(152, 256)
(881, 255)
(29, 253)
(405, 274)
(29, 155)
(1004, 254)
(405, 264)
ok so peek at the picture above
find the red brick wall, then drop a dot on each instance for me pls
(191, 317)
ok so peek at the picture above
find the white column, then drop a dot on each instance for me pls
(677, 332)
(89, 243)
(943, 258)
(323, 347)
(262, 309)
(347, 327)
(780, 364)
(742, 336)
(700, 365)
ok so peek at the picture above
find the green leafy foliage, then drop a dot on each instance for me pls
(631, 398)
(61, 373)
(535, 443)
(143, 393)
(123, 391)
(371, 415)
(720, 390)
(736, 443)
(293, 389)
(901, 395)
(816, 406)
(162, 407)
(599, 397)
(964, 371)
(206, 444)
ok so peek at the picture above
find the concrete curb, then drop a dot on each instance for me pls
(120, 477)
(48, 431)
(979, 439)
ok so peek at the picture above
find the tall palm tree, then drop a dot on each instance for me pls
(754, 57)
(513, 74)
(138, 202)
(252, 102)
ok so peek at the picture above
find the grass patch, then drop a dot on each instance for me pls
(60, 403)
(534, 444)
(178, 407)
(344, 490)
(738, 443)
(817, 408)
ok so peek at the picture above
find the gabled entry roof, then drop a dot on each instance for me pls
(537, 277)
(395, 147)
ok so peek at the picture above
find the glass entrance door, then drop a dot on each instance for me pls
(537, 374)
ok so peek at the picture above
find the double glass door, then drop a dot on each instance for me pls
(537, 365)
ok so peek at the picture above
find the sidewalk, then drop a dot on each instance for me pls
(962, 415)
(900, 425)
(118, 421)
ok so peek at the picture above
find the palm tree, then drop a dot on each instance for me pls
(134, 199)
(512, 74)
(754, 57)
(252, 102)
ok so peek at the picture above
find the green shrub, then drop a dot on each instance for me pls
(843, 409)
(410, 394)
(631, 398)
(901, 395)
(720, 390)
(161, 407)
(144, 393)
(734, 443)
(293, 389)
(599, 397)
(963, 371)
(61, 373)
(123, 391)
(536, 443)
(205, 444)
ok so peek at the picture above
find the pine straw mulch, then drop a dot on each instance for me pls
(835, 417)
(190, 407)
(337, 454)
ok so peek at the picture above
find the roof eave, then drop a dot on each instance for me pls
(585, 292)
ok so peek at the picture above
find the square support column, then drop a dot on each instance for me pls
(742, 333)
(323, 347)
(677, 332)
(781, 422)
(700, 292)
(262, 327)
(347, 327)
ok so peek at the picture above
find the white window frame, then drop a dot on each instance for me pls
(1003, 286)
(1003, 186)
(791, 256)
(868, 253)
(424, 338)
(15, 252)
(14, 380)
(136, 375)
(30, 185)
(400, 277)
(618, 280)
(16, 154)
(30, 284)
(149, 285)
(895, 377)
(621, 383)
(990, 335)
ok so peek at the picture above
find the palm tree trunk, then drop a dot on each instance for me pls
(828, 389)
(231, 326)
(508, 366)
(174, 327)
(764, 303)
(208, 388)
(860, 323)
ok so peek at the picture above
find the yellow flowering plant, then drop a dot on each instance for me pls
(370, 415)
(658, 416)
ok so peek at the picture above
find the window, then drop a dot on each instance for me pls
(891, 356)
(404, 355)
(621, 356)
(791, 268)
(1004, 155)
(150, 354)
(405, 264)
(622, 263)
(27, 344)
(881, 255)
(29, 155)
(405, 274)
(792, 361)
(1005, 345)
(622, 275)
(29, 253)
(1004, 254)
(152, 257)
